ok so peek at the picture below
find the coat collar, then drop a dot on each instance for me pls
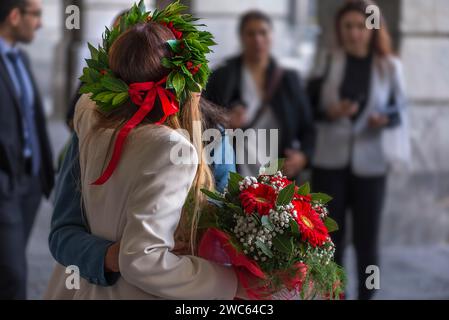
(236, 63)
(234, 66)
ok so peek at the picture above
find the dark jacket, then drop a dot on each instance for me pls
(12, 161)
(289, 102)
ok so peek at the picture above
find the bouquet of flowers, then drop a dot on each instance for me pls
(277, 232)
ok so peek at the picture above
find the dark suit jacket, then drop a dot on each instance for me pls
(12, 162)
(289, 102)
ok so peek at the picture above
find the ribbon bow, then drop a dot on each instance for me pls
(144, 95)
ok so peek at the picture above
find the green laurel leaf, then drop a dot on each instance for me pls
(233, 183)
(234, 208)
(114, 84)
(283, 244)
(285, 196)
(321, 197)
(213, 195)
(294, 227)
(93, 51)
(175, 45)
(105, 97)
(330, 224)
(178, 83)
(262, 246)
(142, 7)
(120, 99)
(304, 190)
(167, 63)
(192, 86)
(93, 88)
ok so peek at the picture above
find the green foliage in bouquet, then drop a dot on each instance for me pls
(188, 64)
(279, 226)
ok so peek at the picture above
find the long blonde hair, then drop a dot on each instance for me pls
(191, 119)
(136, 57)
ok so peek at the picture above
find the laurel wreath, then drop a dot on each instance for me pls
(188, 65)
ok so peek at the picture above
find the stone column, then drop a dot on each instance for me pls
(66, 61)
(424, 29)
(425, 51)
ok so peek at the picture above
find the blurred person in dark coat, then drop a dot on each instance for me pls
(260, 94)
(26, 171)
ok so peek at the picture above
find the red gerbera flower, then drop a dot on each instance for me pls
(261, 199)
(311, 226)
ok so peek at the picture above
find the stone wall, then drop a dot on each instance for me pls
(425, 51)
(424, 30)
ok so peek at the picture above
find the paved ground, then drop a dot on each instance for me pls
(413, 266)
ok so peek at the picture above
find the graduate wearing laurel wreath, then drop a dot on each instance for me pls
(142, 84)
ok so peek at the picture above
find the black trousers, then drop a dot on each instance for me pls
(17, 214)
(364, 197)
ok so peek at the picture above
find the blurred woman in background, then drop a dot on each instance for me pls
(361, 95)
(260, 94)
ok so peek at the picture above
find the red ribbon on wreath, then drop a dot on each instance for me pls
(142, 94)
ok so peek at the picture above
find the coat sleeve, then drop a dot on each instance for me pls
(222, 86)
(214, 89)
(398, 101)
(145, 257)
(306, 130)
(69, 241)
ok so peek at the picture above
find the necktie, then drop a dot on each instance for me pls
(30, 134)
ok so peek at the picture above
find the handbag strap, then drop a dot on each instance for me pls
(270, 91)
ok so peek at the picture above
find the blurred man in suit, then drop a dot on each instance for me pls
(26, 170)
